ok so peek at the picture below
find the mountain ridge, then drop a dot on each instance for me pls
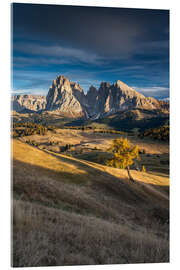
(68, 98)
(28, 102)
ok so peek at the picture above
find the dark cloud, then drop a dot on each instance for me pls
(63, 53)
(109, 31)
(90, 44)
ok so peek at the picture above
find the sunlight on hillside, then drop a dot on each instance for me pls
(58, 162)
(140, 176)
(28, 154)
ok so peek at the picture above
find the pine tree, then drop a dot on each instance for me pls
(124, 155)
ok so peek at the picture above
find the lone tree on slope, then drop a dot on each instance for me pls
(124, 155)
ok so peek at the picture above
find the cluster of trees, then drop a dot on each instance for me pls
(160, 133)
(83, 128)
(71, 127)
(78, 127)
(62, 148)
(27, 129)
(95, 129)
(110, 131)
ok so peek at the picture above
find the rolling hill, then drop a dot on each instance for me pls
(140, 119)
(70, 211)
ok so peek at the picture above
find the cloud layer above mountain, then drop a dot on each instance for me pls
(90, 45)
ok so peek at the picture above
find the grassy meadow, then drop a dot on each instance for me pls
(69, 208)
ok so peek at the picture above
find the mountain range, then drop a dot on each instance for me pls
(68, 98)
(28, 103)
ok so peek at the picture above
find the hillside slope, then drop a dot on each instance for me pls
(135, 119)
(71, 211)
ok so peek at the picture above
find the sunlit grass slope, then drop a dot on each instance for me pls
(81, 212)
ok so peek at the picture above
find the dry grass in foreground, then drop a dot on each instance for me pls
(56, 237)
(68, 211)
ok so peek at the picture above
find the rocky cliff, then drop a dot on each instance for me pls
(119, 97)
(21, 103)
(67, 98)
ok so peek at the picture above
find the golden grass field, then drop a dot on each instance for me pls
(72, 211)
(99, 140)
(91, 146)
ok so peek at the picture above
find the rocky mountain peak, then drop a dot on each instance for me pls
(61, 79)
(76, 86)
(92, 90)
(22, 103)
(104, 85)
(67, 98)
(62, 82)
(119, 83)
(126, 89)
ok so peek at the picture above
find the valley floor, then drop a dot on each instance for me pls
(72, 211)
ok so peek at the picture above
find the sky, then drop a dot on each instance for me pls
(89, 45)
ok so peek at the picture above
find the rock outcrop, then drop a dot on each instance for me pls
(67, 98)
(118, 97)
(21, 103)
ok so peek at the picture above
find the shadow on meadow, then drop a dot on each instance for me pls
(91, 217)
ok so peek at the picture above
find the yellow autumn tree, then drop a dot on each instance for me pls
(124, 155)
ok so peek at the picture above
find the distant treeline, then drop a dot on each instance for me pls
(95, 129)
(110, 131)
(28, 128)
(79, 127)
(161, 133)
(62, 148)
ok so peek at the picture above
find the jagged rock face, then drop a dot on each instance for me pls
(92, 102)
(66, 97)
(77, 91)
(164, 106)
(118, 97)
(28, 102)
